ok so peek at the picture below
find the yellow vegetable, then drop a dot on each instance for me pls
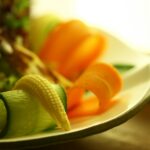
(44, 91)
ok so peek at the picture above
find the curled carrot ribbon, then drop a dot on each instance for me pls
(103, 81)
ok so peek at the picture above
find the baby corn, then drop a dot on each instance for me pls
(46, 94)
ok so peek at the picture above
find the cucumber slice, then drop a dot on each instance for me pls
(22, 114)
(62, 94)
(3, 116)
(40, 27)
(25, 114)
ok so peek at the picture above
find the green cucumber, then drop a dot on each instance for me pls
(40, 27)
(24, 114)
(62, 94)
(3, 116)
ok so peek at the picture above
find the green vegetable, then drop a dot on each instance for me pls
(8, 82)
(14, 20)
(61, 92)
(25, 114)
(40, 27)
(21, 113)
(3, 116)
(46, 94)
(122, 68)
(8, 77)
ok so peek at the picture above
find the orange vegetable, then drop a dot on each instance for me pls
(85, 107)
(84, 53)
(72, 45)
(61, 40)
(102, 80)
(74, 97)
(88, 107)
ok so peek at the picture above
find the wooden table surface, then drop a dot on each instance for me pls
(132, 135)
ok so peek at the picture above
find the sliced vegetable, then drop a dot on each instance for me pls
(25, 115)
(122, 68)
(40, 27)
(101, 79)
(47, 95)
(71, 47)
(85, 53)
(86, 107)
(89, 106)
(60, 42)
(3, 116)
(74, 97)
(34, 105)
(62, 94)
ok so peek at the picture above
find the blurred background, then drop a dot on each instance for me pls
(126, 19)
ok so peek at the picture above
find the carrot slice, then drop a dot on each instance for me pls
(74, 96)
(86, 107)
(71, 47)
(89, 107)
(103, 80)
(86, 52)
(59, 44)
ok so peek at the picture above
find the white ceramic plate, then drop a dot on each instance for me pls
(131, 99)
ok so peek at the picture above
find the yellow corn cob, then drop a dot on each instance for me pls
(44, 91)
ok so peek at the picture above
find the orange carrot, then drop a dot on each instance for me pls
(74, 96)
(60, 42)
(85, 53)
(71, 47)
(103, 80)
(89, 107)
(86, 107)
